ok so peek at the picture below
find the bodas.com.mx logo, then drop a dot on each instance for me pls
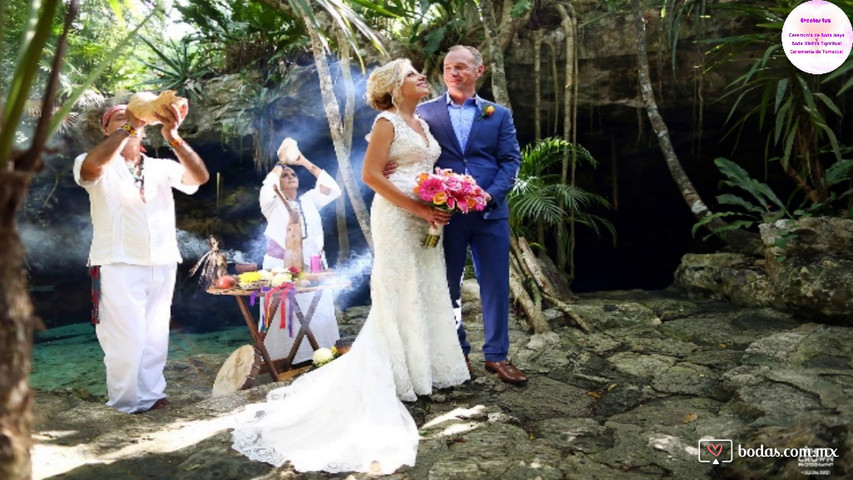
(715, 451)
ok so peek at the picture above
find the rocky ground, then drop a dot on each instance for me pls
(663, 388)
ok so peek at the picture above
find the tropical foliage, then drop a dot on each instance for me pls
(183, 64)
(99, 28)
(797, 112)
(540, 203)
(762, 205)
(244, 34)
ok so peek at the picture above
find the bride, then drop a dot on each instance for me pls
(348, 415)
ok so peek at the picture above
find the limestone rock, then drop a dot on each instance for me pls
(807, 270)
(810, 263)
(629, 402)
(732, 277)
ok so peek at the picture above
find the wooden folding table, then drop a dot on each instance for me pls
(284, 364)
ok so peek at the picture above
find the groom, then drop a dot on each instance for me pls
(478, 138)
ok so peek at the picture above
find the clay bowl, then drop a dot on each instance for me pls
(245, 267)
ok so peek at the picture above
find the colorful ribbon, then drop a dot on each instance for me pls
(287, 293)
(262, 323)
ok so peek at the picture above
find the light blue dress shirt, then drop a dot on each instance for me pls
(461, 117)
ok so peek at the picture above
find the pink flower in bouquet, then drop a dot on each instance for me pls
(453, 184)
(428, 187)
(451, 191)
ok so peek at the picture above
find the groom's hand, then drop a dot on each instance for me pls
(390, 167)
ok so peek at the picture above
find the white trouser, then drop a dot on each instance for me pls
(135, 308)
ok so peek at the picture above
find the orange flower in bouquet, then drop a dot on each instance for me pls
(449, 191)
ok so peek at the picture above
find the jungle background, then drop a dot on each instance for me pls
(622, 130)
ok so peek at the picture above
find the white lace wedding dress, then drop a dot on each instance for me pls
(347, 415)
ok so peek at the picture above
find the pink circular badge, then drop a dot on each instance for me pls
(817, 37)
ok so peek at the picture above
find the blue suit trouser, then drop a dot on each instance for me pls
(489, 242)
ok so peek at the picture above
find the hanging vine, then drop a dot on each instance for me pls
(569, 27)
(537, 81)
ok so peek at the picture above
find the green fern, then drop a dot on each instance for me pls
(541, 202)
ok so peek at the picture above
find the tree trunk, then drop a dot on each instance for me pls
(333, 115)
(533, 312)
(567, 309)
(341, 224)
(506, 27)
(349, 112)
(574, 140)
(17, 323)
(738, 239)
(532, 267)
(17, 318)
(499, 89)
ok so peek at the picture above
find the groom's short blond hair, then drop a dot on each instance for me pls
(478, 57)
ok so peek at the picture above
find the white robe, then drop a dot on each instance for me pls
(324, 325)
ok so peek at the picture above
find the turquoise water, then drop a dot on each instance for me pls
(69, 357)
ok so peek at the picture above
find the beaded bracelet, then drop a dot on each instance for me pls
(130, 130)
(175, 142)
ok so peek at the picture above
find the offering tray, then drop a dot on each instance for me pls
(318, 281)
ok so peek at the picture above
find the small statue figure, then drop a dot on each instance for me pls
(213, 264)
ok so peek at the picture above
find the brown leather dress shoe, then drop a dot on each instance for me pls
(507, 372)
(470, 370)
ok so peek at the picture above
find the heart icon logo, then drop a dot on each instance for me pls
(715, 448)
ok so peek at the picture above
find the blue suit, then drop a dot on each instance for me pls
(492, 157)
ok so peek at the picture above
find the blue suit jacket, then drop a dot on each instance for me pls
(491, 156)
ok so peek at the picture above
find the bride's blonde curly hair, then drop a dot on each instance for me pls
(383, 84)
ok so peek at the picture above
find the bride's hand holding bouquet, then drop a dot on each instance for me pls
(450, 192)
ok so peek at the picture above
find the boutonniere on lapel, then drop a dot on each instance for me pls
(487, 111)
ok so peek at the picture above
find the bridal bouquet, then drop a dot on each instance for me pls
(449, 191)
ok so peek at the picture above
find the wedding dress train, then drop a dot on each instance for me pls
(348, 415)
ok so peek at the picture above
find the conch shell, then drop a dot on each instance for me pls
(143, 105)
(288, 152)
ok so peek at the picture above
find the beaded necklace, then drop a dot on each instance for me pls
(138, 173)
(297, 206)
(294, 207)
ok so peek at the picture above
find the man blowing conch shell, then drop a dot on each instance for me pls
(134, 251)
